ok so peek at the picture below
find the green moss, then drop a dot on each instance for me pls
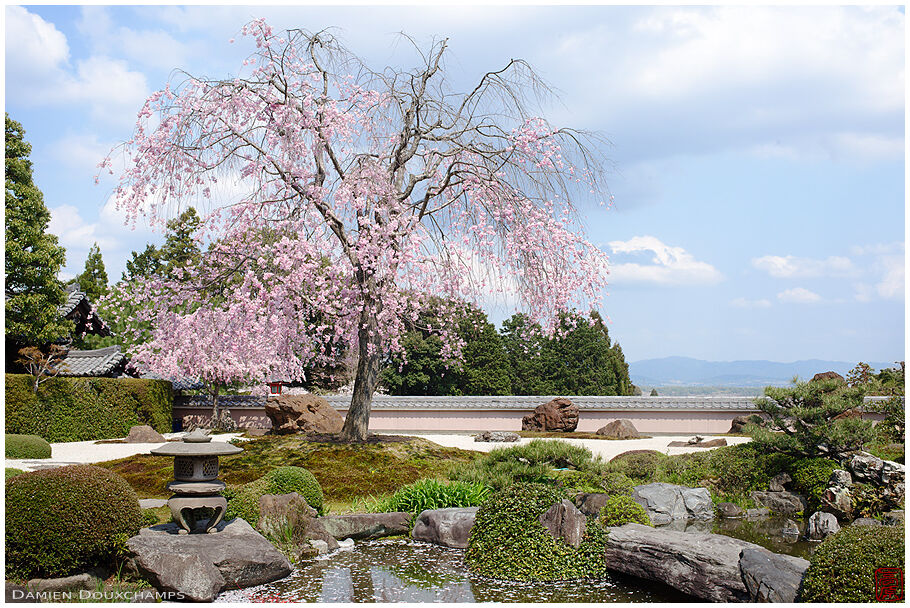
(64, 520)
(620, 510)
(842, 569)
(509, 542)
(11, 472)
(80, 409)
(27, 446)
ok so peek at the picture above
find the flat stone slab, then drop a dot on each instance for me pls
(152, 503)
(366, 526)
(772, 577)
(703, 565)
(199, 566)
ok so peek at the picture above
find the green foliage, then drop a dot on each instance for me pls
(616, 484)
(79, 409)
(149, 518)
(803, 420)
(509, 542)
(33, 257)
(842, 569)
(892, 428)
(27, 446)
(622, 509)
(11, 472)
(640, 466)
(870, 500)
(65, 520)
(810, 477)
(433, 494)
(744, 468)
(281, 480)
(93, 280)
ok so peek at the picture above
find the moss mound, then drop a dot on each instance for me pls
(842, 569)
(621, 510)
(61, 521)
(509, 542)
(282, 480)
(27, 446)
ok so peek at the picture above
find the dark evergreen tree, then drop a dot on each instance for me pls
(522, 342)
(180, 248)
(93, 280)
(33, 257)
(485, 370)
(145, 264)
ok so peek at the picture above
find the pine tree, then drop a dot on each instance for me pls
(145, 264)
(33, 257)
(93, 280)
(180, 248)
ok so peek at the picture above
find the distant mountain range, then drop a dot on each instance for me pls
(685, 371)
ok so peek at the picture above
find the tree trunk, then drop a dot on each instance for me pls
(357, 421)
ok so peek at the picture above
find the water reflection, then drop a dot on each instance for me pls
(407, 571)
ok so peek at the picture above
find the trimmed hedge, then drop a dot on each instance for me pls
(27, 446)
(65, 520)
(82, 409)
(244, 501)
(842, 569)
(509, 542)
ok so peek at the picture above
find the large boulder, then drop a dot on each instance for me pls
(365, 526)
(447, 527)
(822, 376)
(143, 433)
(738, 425)
(563, 520)
(771, 577)
(281, 515)
(782, 503)
(666, 502)
(199, 566)
(619, 429)
(591, 503)
(558, 414)
(302, 414)
(702, 565)
(884, 474)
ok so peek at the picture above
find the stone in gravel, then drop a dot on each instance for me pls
(558, 414)
(497, 437)
(144, 434)
(619, 429)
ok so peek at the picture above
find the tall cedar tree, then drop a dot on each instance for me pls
(93, 280)
(33, 257)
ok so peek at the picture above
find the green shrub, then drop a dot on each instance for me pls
(869, 500)
(244, 502)
(432, 494)
(509, 542)
(616, 484)
(577, 481)
(64, 520)
(621, 510)
(638, 465)
(81, 409)
(149, 518)
(11, 472)
(686, 469)
(743, 468)
(27, 446)
(842, 569)
(810, 477)
(502, 474)
(556, 454)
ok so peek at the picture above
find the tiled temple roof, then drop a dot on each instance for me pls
(100, 362)
(77, 308)
(525, 403)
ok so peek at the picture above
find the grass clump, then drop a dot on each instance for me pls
(622, 509)
(842, 569)
(11, 472)
(65, 520)
(509, 542)
(282, 480)
(27, 446)
(433, 494)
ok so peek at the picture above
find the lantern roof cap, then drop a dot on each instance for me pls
(197, 443)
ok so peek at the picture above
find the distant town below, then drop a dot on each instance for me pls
(675, 376)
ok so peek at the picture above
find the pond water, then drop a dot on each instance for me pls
(401, 570)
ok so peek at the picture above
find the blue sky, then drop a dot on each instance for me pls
(758, 153)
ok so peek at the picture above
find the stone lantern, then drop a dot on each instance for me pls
(196, 484)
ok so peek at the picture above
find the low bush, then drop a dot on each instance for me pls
(27, 446)
(509, 542)
(11, 472)
(432, 494)
(80, 409)
(65, 520)
(639, 465)
(743, 468)
(843, 567)
(616, 484)
(810, 477)
(621, 510)
(553, 453)
(244, 502)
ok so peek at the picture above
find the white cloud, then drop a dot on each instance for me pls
(39, 72)
(798, 295)
(81, 152)
(788, 267)
(890, 285)
(668, 265)
(150, 47)
(746, 303)
(74, 232)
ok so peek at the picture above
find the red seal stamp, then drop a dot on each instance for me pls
(889, 584)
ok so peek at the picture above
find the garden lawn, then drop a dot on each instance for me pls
(345, 471)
